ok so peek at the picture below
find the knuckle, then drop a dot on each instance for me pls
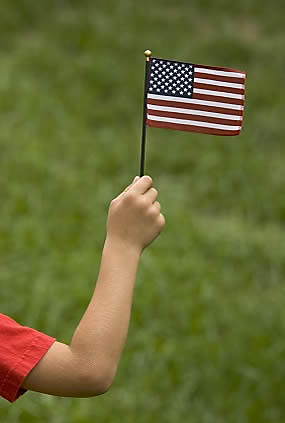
(153, 212)
(158, 206)
(161, 221)
(130, 197)
(155, 192)
(141, 203)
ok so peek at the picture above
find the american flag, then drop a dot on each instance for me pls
(195, 98)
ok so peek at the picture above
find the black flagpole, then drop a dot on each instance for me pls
(147, 54)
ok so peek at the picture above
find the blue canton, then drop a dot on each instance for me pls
(171, 78)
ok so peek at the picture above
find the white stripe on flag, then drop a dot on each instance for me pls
(193, 112)
(194, 123)
(218, 83)
(194, 101)
(218, 93)
(220, 73)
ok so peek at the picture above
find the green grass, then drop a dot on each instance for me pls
(206, 341)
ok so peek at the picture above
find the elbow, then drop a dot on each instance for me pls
(102, 385)
(97, 381)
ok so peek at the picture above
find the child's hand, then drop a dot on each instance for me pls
(134, 217)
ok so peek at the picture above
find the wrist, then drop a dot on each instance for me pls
(123, 247)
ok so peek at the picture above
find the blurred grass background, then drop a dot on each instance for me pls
(205, 343)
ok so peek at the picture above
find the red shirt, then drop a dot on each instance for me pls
(21, 348)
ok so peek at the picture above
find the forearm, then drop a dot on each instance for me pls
(101, 334)
(88, 365)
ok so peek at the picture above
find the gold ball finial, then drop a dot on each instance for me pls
(147, 54)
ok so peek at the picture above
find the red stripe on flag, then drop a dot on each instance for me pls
(190, 128)
(218, 99)
(218, 88)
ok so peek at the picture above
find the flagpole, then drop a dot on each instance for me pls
(147, 54)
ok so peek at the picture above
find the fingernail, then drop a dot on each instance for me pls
(136, 178)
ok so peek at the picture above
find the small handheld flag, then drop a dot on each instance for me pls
(194, 98)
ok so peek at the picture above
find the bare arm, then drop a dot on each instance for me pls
(88, 365)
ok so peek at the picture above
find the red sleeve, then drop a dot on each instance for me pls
(21, 348)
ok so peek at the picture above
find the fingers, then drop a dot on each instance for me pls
(151, 195)
(156, 204)
(156, 208)
(136, 178)
(142, 185)
(139, 186)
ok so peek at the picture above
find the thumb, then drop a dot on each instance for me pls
(136, 178)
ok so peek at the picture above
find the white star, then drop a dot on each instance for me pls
(175, 77)
(183, 71)
(173, 91)
(179, 67)
(182, 79)
(175, 70)
(159, 83)
(160, 68)
(161, 62)
(171, 73)
(154, 86)
(163, 73)
(171, 67)
(166, 91)
(181, 92)
(158, 90)
(164, 65)
(152, 74)
(189, 93)
(150, 89)
(167, 77)
(166, 83)
(190, 73)
(185, 89)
